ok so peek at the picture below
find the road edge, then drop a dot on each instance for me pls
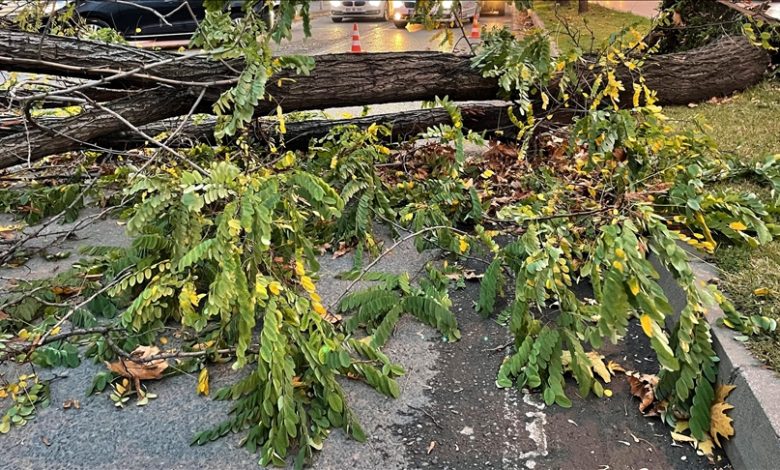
(756, 413)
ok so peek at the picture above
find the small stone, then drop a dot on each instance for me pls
(467, 431)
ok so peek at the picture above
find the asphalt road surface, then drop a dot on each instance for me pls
(328, 37)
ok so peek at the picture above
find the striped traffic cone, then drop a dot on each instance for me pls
(475, 32)
(356, 39)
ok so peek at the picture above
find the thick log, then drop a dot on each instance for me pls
(90, 125)
(721, 68)
(337, 79)
(491, 118)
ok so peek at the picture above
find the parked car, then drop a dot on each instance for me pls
(143, 19)
(444, 11)
(373, 9)
(498, 6)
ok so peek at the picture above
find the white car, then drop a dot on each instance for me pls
(445, 11)
(373, 9)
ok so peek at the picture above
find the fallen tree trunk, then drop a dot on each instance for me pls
(491, 118)
(720, 68)
(87, 127)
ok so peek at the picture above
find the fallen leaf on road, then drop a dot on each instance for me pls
(682, 437)
(203, 382)
(71, 404)
(643, 387)
(597, 362)
(720, 422)
(431, 446)
(615, 367)
(706, 447)
(140, 370)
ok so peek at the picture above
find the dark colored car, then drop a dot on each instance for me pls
(146, 19)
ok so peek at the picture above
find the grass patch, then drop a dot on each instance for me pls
(748, 126)
(602, 21)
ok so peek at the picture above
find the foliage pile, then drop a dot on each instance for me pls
(226, 249)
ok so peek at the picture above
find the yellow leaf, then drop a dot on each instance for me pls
(463, 245)
(163, 340)
(682, 437)
(761, 291)
(596, 361)
(545, 100)
(681, 426)
(234, 227)
(280, 115)
(615, 367)
(275, 288)
(487, 174)
(319, 309)
(620, 253)
(633, 284)
(607, 392)
(299, 269)
(637, 94)
(307, 284)
(720, 423)
(618, 265)
(203, 382)
(738, 226)
(3, 393)
(647, 325)
(706, 447)
(722, 391)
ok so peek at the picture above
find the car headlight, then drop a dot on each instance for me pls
(447, 4)
(335, 3)
(398, 3)
(54, 6)
(375, 3)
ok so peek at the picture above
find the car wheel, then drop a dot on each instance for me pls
(335, 20)
(93, 25)
(400, 24)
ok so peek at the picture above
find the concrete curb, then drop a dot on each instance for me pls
(756, 414)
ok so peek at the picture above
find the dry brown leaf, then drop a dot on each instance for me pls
(140, 370)
(71, 404)
(720, 422)
(643, 387)
(431, 446)
(66, 291)
(342, 250)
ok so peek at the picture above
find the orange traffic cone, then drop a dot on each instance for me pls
(356, 39)
(475, 32)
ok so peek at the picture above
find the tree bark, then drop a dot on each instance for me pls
(337, 79)
(582, 7)
(718, 69)
(491, 118)
(90, 125)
